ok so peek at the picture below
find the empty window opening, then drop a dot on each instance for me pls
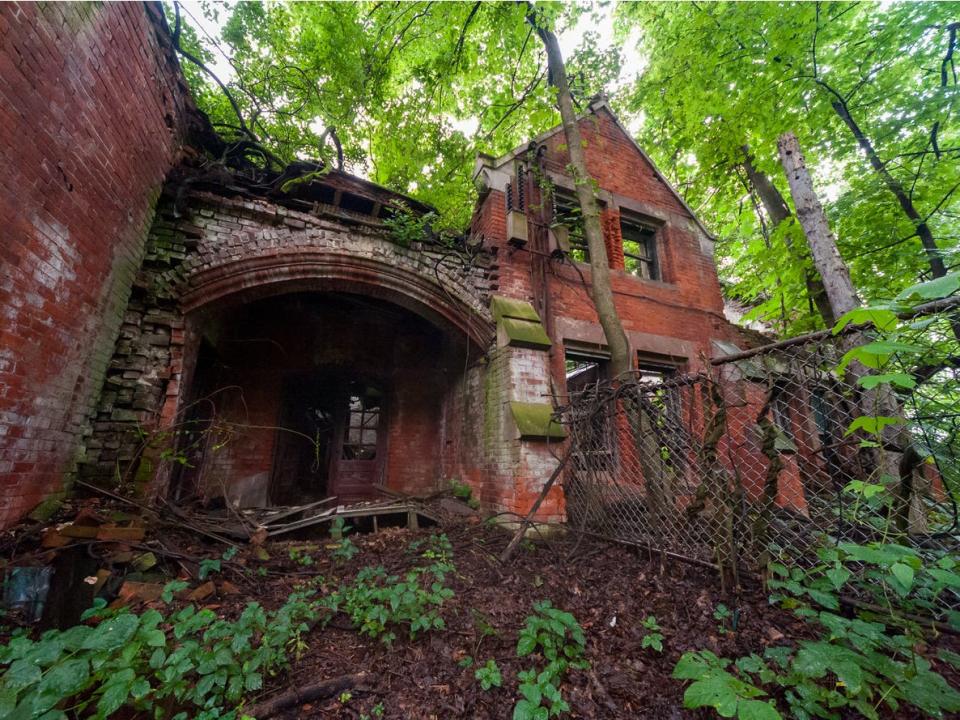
(666, 397)
(782, 417)
(640, 249)
(586, 374)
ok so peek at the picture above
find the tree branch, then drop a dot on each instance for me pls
(199, 63)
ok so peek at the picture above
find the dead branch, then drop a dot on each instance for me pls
(309, 693)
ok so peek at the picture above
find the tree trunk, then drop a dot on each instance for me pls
(843, 298)
(600, 291)
(823, 246)
(778, 211)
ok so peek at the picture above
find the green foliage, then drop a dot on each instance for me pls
(414, 90)
(722, 614)
(301, 555)
(652, 637)
(557, 637)
(489, 675)
(406, 227)
(339, 528)
(171, 589)
(209, 566)
(856, 664)
(344, 551)
(464, 492)
(723, 76)
(378, 603)
(714, 687)
(191, 663)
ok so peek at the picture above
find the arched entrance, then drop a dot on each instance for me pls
(308, 395)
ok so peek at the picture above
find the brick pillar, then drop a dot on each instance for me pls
(610, 221)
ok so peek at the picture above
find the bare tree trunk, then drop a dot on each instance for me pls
(823, 246)
(778, 211)
(843, 298)
(601, 293)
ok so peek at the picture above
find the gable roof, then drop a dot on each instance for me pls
(596, 106)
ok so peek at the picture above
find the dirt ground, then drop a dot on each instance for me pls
(609, 588)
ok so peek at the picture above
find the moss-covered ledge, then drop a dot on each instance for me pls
(535, 421)
(518, 324)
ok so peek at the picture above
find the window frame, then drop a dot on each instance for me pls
(602, 453)
(651, 244)
(579, 247)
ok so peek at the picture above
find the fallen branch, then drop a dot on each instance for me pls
(299, 696)
(526, 522)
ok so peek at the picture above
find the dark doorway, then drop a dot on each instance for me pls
(329, 440)
(306, 432)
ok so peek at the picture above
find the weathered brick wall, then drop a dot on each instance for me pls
(92, 113)
(676, 316)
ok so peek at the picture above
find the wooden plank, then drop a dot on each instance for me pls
(293, 510)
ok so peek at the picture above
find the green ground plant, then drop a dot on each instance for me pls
(378, 604)
(190, 664)
(489, 675)
(301, 556)
(558, 638)
(652, 637)
(464, 492)
(344, 551)
(856, 664)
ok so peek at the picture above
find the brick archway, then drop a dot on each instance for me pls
(249, 250)
(389, 276)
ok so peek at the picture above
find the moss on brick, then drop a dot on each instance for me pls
(47, 508)
(535, 421)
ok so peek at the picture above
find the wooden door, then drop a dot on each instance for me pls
(360, 461)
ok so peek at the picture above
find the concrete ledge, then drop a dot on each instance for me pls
(504, 307)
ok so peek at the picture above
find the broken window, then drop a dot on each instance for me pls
(781, 410)
(567, 212)
(666, 397)
(586, 374)
(639, 248)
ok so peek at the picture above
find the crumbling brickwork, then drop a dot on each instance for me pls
(93, 111)
(215, 252)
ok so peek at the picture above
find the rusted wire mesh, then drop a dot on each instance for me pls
(752, 460)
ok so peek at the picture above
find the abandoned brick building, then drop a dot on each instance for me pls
(200, 335)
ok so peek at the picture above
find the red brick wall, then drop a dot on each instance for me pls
(92, 108)
(686, 305)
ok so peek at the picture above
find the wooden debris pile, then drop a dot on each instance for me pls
(256, 525)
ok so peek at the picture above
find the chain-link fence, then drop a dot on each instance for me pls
(762, 456)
